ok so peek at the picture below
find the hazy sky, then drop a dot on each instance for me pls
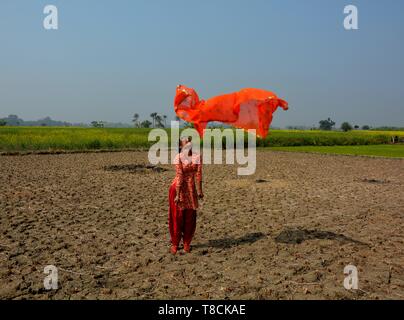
(110, 59)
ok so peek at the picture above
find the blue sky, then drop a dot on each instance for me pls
(110, 59)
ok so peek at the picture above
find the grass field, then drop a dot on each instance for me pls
(71, 138)
(390, 151)
(74, 138)
(292, 138)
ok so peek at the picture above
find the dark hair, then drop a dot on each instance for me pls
(189, 139)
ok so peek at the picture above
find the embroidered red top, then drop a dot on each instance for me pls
(187, 170)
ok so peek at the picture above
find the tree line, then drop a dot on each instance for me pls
(328, 125)
(158, 121)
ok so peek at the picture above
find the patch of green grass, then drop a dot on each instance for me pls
(71, 138)
(292, 138)
(389, 151)
(74, 138)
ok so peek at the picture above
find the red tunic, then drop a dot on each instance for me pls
(187, 170)
(182, 215)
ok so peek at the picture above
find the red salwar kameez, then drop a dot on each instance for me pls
(182, 215)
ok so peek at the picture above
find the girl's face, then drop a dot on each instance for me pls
(184, 141)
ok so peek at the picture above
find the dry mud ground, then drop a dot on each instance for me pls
(286, 232)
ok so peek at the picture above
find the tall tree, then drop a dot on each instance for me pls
(158, 121)
(135, 120)
(153, 116)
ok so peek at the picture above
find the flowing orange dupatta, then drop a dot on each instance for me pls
(246, 109)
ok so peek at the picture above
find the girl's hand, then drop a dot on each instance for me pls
(177, 199)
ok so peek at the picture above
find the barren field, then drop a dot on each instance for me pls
(286, 232)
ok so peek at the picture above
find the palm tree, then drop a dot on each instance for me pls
(135, 120)
(159, 121)
(153, 116)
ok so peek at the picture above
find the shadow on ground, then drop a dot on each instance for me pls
(296, 236)
(135, 168)
(226, 243)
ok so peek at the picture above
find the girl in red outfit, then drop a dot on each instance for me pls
(183, 196)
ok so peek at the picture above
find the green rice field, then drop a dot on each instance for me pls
(20, 139)
(390, 151)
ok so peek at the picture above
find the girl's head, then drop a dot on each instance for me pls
(185, 143)
(181, 143)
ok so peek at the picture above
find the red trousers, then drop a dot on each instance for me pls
(181, 222)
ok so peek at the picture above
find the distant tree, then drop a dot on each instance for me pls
(2, 122)
(158, 121)
(97, 124)
(356, 127)
(326, 124)
(135, 120)
(365, 127)
(146, 124)
(153, 116)
(297, 127)
(388, 128)
(13, 120)
(13, 117)
(346, 126)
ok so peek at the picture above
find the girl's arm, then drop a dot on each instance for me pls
(180, 177)
(199, 178)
